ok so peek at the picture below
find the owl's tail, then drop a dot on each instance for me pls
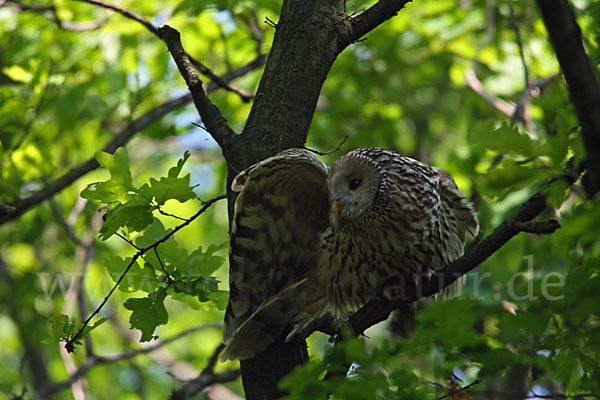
(271, 319)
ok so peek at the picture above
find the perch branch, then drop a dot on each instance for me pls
(378, 310)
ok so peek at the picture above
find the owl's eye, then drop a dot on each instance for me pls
(354, 184)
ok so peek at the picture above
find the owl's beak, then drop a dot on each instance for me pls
(335, 206)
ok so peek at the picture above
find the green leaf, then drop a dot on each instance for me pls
(155, 232)
(174, 172)
(118, 166)
(119, 187)
(137, 278)
(170, 187)
(148, 313)
(130, 215)
(504, 139)
(495, 361)
(90, 328)
(167, 189)
(219, 298)
(18, 73)
(204, 263)
(174, 257)
(556, 193)
(191, 301)
(61, 326)
(205, 286)
(510, 175)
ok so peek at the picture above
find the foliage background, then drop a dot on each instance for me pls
(64, 94)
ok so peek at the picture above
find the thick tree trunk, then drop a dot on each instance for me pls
(306, 43)
(309, 36)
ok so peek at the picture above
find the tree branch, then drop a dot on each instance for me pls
(584, 91)
(126, 13)
(206, 378)
(74, 173)
(70, 344)
(96, 360)
(372, 17)
(245, 96)
(200, 383)
(15, 209)
(211, 116)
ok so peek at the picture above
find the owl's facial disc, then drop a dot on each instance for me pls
(353, 184)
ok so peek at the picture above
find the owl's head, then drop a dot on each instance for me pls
(354, 185)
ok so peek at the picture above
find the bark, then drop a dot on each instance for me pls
(306, 43)
(565, 36)
(308, 38)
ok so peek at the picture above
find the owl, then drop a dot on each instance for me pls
(308, 239)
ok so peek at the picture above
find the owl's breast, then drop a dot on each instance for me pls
(357, 262)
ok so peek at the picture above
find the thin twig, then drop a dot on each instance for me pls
(462, 389)
(255, 32)
(270, 22)
(126, 13)
(130, 242)
(60, 219)
(515, 26)
(506, 108)
(166, 214)
(200, 383)
(339, 146)
(162, 265)
(70, 344)
(531, 90)
(201, 127)
(204, 70)
(210, 366)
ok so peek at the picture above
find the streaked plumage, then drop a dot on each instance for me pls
(308, 239)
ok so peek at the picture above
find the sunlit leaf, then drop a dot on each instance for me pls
(148, 313)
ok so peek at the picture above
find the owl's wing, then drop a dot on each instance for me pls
(460, 207)
(282, 207)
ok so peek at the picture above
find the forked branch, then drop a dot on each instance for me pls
(70, 344)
